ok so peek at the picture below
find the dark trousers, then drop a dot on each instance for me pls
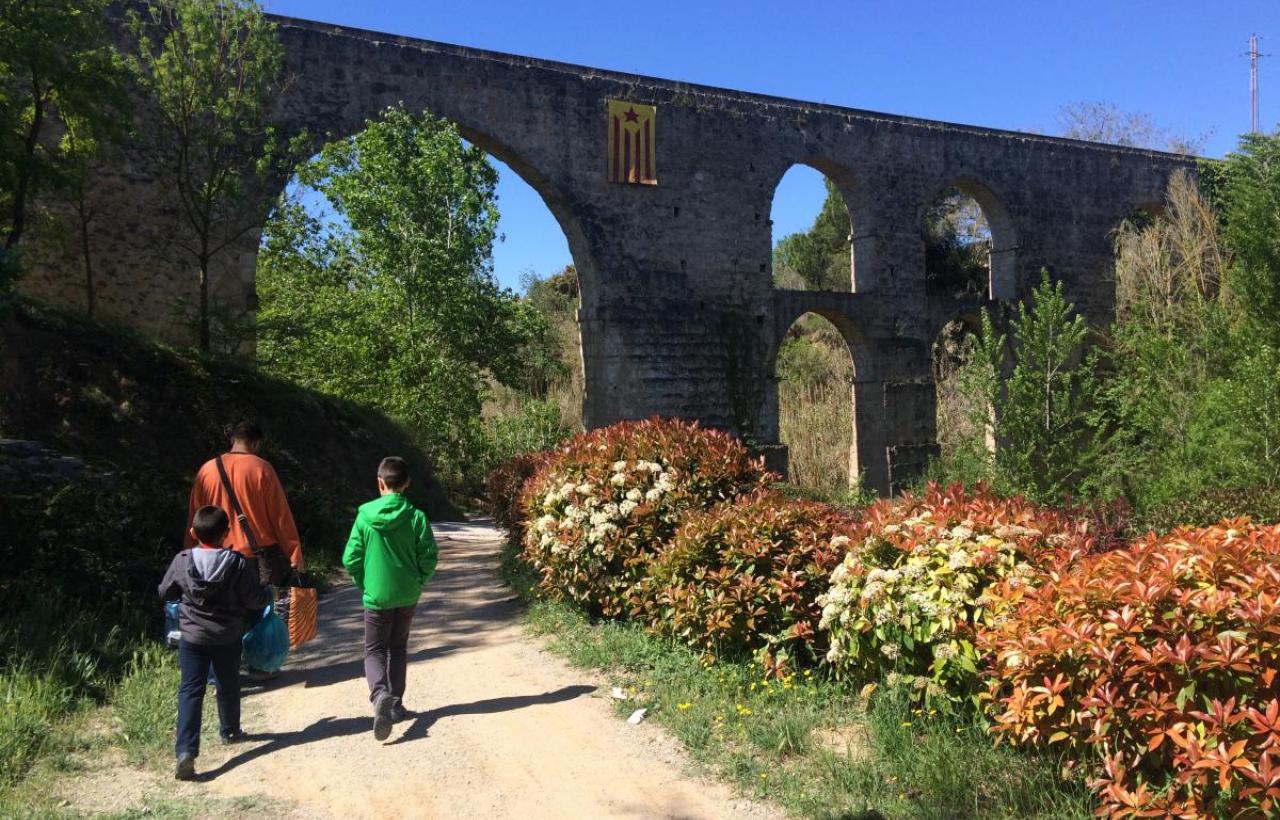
(386, 649)
(194, 661)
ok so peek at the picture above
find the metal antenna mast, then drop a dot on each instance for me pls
(1254, 56)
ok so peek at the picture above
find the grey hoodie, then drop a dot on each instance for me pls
(220, 594)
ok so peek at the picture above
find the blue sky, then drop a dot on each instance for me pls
(996, 63)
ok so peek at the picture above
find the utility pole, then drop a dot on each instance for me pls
(1254, 56)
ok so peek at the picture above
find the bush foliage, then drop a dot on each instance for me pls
(908, 597)
(503, 487)
(744, 576)
(603, 503)
(1155, 667)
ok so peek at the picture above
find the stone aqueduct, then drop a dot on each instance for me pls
(679, 316)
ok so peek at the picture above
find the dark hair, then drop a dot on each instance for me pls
(247, 431)
(394, 472)
(210, 524)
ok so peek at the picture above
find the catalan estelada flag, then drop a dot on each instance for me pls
(632, 143)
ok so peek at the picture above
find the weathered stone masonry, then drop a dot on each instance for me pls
(679, 316)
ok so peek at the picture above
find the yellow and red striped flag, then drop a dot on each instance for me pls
(632, 143)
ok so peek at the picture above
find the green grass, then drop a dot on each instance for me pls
(57, 731)
(810, 744)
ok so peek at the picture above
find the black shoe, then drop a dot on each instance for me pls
(382, 716)
(398, 712)
(233, 737)
(186, 769)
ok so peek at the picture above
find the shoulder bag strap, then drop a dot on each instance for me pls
(235, 505)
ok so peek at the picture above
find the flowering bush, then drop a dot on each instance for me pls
(503, 488)
(907, 598)
(1158, 665)
(605, 501)
(745, 576)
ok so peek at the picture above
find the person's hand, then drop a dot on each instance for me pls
(297, 563)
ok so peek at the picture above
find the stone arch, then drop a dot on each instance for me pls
(1002, 261)
(557, 203)
(958, 420)
(353, 122)
(859, 213)
(844, 396)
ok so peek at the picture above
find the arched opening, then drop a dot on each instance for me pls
(407, 268)
(815, 371)
(813, 236)
(963, 388)
(970, 245)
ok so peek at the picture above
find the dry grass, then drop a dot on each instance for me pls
(815, 405)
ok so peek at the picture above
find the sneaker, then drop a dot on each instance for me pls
(186, 769)
(398, 712)
(382, 716)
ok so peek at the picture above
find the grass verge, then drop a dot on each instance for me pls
(808, 743)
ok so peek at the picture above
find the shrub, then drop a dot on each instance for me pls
(906, 599)
(1156, 667)
(744, 576)
(605, 501)
(503, 488)
(1203, 509)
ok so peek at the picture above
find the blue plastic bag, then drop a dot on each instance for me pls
(267, 645)
(171, 631)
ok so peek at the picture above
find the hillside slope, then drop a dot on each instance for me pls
(146, 417)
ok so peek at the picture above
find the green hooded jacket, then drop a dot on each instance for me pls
(391, 552)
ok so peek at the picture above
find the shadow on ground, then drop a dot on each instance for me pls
(331, 727)
(339, 658)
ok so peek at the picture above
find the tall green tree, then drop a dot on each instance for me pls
(1043, 447)
(1251, 193)
(393, 301)
(58, 71)
(212, 67)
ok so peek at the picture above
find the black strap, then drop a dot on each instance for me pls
(235, 505)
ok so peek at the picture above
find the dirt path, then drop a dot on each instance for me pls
(505, 729)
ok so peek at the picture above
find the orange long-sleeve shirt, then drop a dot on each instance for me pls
(258, 489)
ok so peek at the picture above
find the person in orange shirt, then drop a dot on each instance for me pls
(265, 534)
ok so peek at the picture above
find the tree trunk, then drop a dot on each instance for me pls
(89, 288)
(204, 304)
(22, 190)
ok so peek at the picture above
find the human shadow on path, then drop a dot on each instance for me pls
(330, 727)
(425, 720)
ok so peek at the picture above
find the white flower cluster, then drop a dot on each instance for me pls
(582, 517)
(927, 593)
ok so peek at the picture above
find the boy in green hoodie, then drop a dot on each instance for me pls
(391, 554)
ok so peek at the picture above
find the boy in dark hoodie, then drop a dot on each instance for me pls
(391, 554)
(220, 598)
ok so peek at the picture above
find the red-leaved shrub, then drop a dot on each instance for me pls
(1156, 668)
(503, 488)
(744, 576)
(604, 502)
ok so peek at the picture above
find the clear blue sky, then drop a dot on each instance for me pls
(997, 63)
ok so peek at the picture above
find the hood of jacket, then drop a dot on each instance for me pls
(389, 512)
(209, 572)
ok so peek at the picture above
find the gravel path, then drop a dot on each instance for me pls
(504, 728)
